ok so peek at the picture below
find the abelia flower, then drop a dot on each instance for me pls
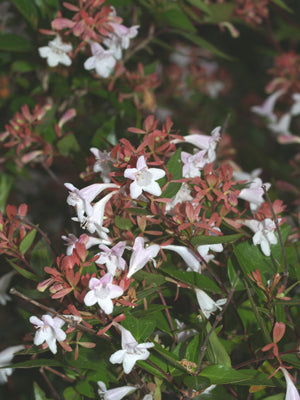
(264, 233)
(48, 330)
(266, 109)
(183, 334)
(112, 258)
(102, 164)
(120, 38)
(144, 179)
(114, 394)
(141, 255)
(204, 248)
(81, 198)
(207, 305)
(189, 257)
(282, 126)
(193, 164)
(254, 193)
(6, 357)
(56, 52)
(102, 292)
(246, 176)
(183, 194)
(291, 391)
(103, 61)
(88, 241)
(4, 283)
(131, 351)
(295, 110)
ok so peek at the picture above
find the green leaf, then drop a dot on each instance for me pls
(22, 271)
(199, 41)
(39, 394)
(220, 12)
(201, 5)
(6, 182)
(23, 66)
(28, 10)
(71, 394)
(193, 349)
(41, 256)
(27, 242)
(196, 382)
(137, 211)
(176, 18)
(216, 352)
(220, 375)
(68, 144)
(41, 362)
(192, 278)
(204, 239)
(174, 166)
(123, 223)
(141, 328)
(85, 388)
(12, 42)
(282, 4)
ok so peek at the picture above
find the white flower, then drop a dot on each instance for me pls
(6, 357)
(102, 164)
(282, 126)
(112, 257)
(204, 248)
(183, 194)
(88, 241)
(141, 255)
(120, 38)
(102, 291)
(189, 257)
(144, 179)
(183, 334)
(193, 164)
(264, 233)
(266, 109)
(116, 393)
(207, 305)
(56, 52)
(254, 193)
(48, 330)
(102, 61)
(4, 283)
(246, 176)
(295, 110)
(131, 351)
(291, 391)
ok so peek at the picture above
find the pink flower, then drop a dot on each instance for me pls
(144, 179)
(102, 61)
(112, 257)
(131, 351)
(102, 291)
(48, 330)
(140, 255)
(266, 109)
(254, 193)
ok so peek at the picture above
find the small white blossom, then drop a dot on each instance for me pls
(207, 305)
(102, 164)
(291, 391)
(263, 234)
(282, 125)
(103, 61)
(193, 163)
(120, 38)
(116, 393)
(112, 258)
(254, 193)
(295, 110)
(144, 179)
(204, 248)
(266, 109)
(6, 357)
(183, 194)
(183, 334)
(48, 330)
(131, 351)
(246, 176)
(188, 256)
(102, 292)
(141, 255)
(56, 52)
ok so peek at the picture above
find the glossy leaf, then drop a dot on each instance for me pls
(203, 239)
(123, 223)
(216, 352)
(14, 43)
(39, 394)
(27, 241)
(28, 9)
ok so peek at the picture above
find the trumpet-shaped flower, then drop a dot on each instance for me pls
(193, 164)
(188, 256)
(120, 38)
(88, 241)
(254, 193)
(116, 393)
(131, 351)
(48, 330)
(56, 52)
(112, 258)
(295, 110)
(246, 176)
(291, 391)
(217, 247)
(102, 164)
(144, 179)
(282, 126)
(81, 198)
(183, 194)
(4, 283)
(141, 255)
(6, 357)
(103, 61)
(263, 233)
(266, 109)
(207, 305)
(102, 292)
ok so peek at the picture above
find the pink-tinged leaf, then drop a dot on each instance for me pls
(31, 156)
(69, 114)
(47, 32)
(62, 23)
(136, 130)
(87, 345)
(62, 293)
(278, 331)
(65, 346)
(71, 7)
(22, 210)
(42, 286)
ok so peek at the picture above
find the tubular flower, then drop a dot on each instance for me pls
(116, 393)
(4, 283)
(112, 257)
(6, 357)
(263, 233)
(56, 52)
(102, 60)
(131, 351)
(266, 109)
(254, 193)
(102, 292)
(48, 330)
(291, 391)
(207, 305)
(141, 255)
(144, 179)
(187, 255)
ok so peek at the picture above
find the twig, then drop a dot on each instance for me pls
(71, 322)
(59, 374)
(167, 376)
(217, 320)
(286, 272)
(54, 392)
(167, 312)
